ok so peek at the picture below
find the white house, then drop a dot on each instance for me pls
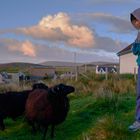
(42, 71)
(105, 69)
(13, 77)
(127, 61)
(1, 79)
(10, 77)
(67, 75)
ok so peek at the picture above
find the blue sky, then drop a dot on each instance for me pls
(43, 30)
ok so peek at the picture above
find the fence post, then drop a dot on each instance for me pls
(106, 73)
(76, 76)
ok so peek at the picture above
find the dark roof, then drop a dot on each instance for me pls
(103, 68)
(109, 69)
(125, 50)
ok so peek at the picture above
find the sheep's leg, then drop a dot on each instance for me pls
(45, 132)
(33, 126)
(2, 126)
(52, 131)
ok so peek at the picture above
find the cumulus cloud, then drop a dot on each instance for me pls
(114, 23)
(11, 50)
(26, 47)
(83, 55)
(108, 44)
(60, 29)
(118, 24)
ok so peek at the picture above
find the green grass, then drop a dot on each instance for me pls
(97, 118)
(99, 110)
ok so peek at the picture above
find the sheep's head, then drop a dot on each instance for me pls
(39, 86)
(62, 89)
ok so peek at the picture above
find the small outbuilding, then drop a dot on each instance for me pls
(1, 79)
(105, 69)
(39, 72)
(127, 61)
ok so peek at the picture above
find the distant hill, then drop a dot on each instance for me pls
(21, 66)
(60, 64)
(16, 66)
(103, 63)
(69, 64)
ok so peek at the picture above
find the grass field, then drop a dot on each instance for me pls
(101, 110)
(101, 120)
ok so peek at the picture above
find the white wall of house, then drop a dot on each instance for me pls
(41, 72)
(1, 79)
(128, 63)
(14, 77)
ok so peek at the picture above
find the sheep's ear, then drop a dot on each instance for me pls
(61, 85)
(58, 88)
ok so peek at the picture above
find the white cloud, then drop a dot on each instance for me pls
(60, 31)
(13, 50)
(109, 45)
(114, 23)
(26, 48)
(59, 28)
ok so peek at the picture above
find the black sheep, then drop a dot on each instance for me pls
(39, 86)
(12, 104)
(48, 107)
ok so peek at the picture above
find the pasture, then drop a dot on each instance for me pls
(99, 110)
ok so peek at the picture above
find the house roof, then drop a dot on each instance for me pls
(109, 69)
(125, 50)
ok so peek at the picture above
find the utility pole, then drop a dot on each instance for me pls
(76, 70)
(106, 73)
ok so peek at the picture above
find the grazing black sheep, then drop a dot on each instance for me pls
(39, 86)
(48, 107)
(12, 104)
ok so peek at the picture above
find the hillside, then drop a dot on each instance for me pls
(96, 107)
(21, 66)
(60, 64)
(16, 66)
(103, 63)
(69, 64)
(88, 119)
